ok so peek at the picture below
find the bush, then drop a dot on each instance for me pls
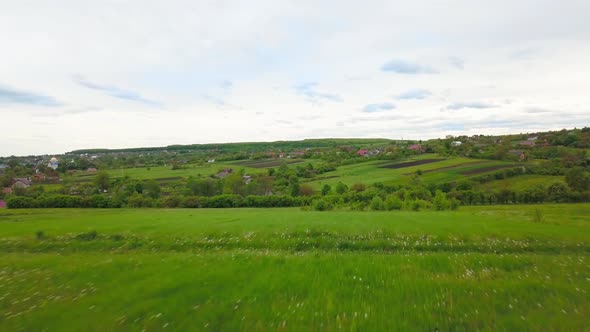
(322, 205)
(440, 202)
(21, 202)
(191, 202)
(392, 202)
(377, 204)
(167, 202)
(359, 187)
(358, 206)
(88, 236)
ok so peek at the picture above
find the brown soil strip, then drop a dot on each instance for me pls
(472, 163)
(486, 169)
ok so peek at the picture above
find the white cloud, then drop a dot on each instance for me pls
(229, 71)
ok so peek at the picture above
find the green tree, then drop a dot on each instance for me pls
(557, 192)
(577, 179)
(152, 189)
(234, 184)
(341, 188)
(377, 203)
(326, 189)
(102, 181)
(440, 201)
(392, 202)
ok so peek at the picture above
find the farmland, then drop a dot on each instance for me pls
(479, 268)
(433, 168)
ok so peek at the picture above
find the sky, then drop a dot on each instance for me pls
(115, 74)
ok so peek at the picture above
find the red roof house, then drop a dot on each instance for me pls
(362, 152)
(416, 147)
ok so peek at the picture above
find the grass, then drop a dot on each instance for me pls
(480, 268)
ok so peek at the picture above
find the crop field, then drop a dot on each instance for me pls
(498, 268)
(433, 169)
(165, 172)
(410, 163)
(523, 182)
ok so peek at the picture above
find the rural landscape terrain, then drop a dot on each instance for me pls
(464, 233)
(281, 165)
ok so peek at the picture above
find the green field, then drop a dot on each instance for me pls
(167, 173)
(499, 268)
(445, 170)
(523, 182)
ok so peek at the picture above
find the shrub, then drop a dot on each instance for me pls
(88, 236)
(322, 205)
(358, 206)
(326, 189)
(359, 187)
(377, 204)
(21, 202)
(440, 201)
(341, 188)
(191, 202)
(392, 202)
(169, 202)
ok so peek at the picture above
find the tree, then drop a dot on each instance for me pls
(577, 179)
(558, 192)
(305, 190)
(234, 184)
(440, 201)
(359, 187)
(392, 202)
(102, 180)
(152, 189)
(377, 204)
(326, 189)
(341, 188)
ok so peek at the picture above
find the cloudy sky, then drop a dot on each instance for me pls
(84, 74)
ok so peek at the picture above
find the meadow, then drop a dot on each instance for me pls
(492, 268)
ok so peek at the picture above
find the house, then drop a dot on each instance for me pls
(2, 204)
(21, 183)
(520, 154)
(91, 169)
(53, 163)
(39, 177)
(456, 143)
(416, 147)
(532, 138)
(7, 191)
(224, 173)
(363, 152)
(247, 179)
(211, 161)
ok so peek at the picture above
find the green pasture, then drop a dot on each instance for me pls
(492, 268)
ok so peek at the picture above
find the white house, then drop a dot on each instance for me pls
(53, 163)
